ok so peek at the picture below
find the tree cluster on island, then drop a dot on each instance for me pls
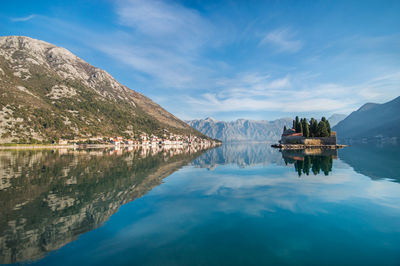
(312, 128)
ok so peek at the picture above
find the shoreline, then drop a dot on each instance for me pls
(303, 146)
(36, 146)
(85, 146)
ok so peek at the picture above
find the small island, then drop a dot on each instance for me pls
(306, 134)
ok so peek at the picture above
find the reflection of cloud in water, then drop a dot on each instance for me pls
(51, 197)
(250, 192)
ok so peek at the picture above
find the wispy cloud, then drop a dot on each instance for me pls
(283, 40)
(169, 69)
(166, 23)
(381, 88)
(254, 92)
(23, 19)
(206, 62)
(166, 56)
(203, 196)
(162, 40)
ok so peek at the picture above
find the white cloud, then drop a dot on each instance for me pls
(162, 40)
(283, 40)
(255, 92)
(165, 22)
(211, 103)
(23, 19)
(382, 88)
(166, 63)
(167, 46)
(168, 68)
(215, 192)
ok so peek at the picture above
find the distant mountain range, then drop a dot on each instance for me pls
(371, 120)
(241, 129)
(335, 119)
(46, 92)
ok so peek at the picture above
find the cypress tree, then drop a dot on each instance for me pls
(322, 130)
(306, 129)
(297, 125)
(319, 129)
(328, 127)
(313, 127)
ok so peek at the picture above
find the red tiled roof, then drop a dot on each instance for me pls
(293, 134)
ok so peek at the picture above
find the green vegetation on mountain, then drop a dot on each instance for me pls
(59, 195)
(47, 93)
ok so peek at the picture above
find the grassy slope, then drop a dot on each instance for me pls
(85, 114)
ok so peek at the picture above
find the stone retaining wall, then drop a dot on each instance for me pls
(308, 141)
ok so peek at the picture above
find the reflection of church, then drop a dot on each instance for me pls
(310, 160)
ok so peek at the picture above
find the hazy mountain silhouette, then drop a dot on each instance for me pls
(371, 120)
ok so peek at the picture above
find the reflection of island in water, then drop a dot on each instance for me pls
(375, 160)
(308, 161)
(49, 198)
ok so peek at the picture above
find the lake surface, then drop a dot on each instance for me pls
(242, 204)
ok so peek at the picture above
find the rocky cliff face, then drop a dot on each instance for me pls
(241, 129)
(47, 92)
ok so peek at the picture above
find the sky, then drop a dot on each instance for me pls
(229, 59)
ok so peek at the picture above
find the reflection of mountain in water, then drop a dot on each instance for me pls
(49, 198)
(374, 160)
(310, 160)
(241, 154)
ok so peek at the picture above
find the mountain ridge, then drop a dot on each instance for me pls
(241, 129)
(334, 119)
(372, 120)
(47, 92)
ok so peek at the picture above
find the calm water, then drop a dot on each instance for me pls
(242, 204)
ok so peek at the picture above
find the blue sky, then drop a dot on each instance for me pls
(230, 59)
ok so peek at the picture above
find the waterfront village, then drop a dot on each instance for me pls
(144, 139)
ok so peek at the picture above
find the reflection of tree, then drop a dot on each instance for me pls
(304, 164)
(48, 198)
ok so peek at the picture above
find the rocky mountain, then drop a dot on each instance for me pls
(371, 120)
(335, 119)
(241, 129)
(46, 93)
